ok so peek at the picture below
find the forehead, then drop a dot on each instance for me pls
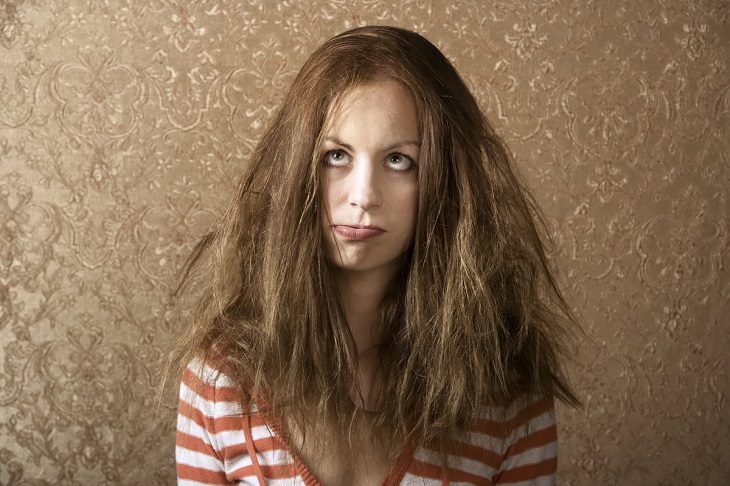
(386, 106)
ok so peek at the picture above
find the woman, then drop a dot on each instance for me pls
(380, 308)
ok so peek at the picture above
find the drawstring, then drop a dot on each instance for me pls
(251, 451)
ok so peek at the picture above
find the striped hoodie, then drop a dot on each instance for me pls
(217, 444)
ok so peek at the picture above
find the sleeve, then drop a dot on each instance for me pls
(531, 444)
(198, 452)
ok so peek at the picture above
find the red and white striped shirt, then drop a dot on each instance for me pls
(218, 444)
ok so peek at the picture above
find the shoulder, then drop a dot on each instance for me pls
(526, 414)
(209, 390)
(519, 439)
(215, 441)
(523, 412)
(529, 440)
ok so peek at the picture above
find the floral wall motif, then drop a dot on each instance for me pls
(123, 126)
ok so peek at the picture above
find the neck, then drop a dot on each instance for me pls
(362, 294)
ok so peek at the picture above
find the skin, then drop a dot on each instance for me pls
(371, 182)
(370, 177)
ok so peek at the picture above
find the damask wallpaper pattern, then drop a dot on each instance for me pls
(124, 124)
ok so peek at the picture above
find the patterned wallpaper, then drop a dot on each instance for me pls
(123, 126)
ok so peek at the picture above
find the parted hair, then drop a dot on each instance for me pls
(475, 317)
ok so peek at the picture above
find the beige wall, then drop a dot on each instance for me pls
(123, 126)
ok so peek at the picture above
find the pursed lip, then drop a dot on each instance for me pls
(357, 231)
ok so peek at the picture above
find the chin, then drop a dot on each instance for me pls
(366, 265)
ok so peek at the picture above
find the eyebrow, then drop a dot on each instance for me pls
(389, 147)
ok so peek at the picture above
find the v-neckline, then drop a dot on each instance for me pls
(392, 478)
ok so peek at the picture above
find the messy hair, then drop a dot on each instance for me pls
(474, 318)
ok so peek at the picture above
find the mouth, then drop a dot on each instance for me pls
(357, 232)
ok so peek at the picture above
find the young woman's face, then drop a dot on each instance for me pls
(369, 181)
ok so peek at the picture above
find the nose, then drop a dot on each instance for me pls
(364, 188)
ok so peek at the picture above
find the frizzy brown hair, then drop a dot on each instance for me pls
(474, 318)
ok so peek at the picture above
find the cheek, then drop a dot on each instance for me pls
(333, 193)
(328, 197)
(407, 203)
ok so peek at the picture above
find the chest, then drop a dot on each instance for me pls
(334, 463)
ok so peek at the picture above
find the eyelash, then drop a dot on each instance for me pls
(411, 166)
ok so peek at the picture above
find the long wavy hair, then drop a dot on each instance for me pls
(474, 318)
